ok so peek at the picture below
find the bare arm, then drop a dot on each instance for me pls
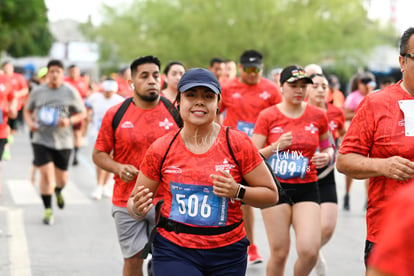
(22, 92)
(27, 115)
(349, 114)
(12, 113)
(361, 167)
(261, 192)
(374, 272)
(104, 160)
(140, 200)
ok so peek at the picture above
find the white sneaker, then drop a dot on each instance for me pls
(97, 194)
(320, 266)
(107, 192)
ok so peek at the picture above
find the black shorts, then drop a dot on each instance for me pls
(301, 192)
(44, 155)
(3, 143)
(13, 124)
(327, 188)
(367, 251)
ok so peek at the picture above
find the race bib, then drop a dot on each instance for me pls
(197, 205)
(287, 165)
(48, 116)
(407, 107)
(246, 127)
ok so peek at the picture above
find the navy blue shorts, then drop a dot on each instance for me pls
(169, 259)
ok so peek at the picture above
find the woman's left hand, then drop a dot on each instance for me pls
(224, 185)
(320, 159)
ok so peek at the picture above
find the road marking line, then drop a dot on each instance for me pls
(18, 250)
(23, 192)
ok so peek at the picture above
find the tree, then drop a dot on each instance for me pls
(24, 28)
(285, 31)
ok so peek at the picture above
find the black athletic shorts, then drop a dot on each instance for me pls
(13, 123)
(3, 143)
(367, 251)
(44, 155)
(301, 192)
(327, 187)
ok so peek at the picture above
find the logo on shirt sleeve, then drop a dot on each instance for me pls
(166, 124)
(332, 125)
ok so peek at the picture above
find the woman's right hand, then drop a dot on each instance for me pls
(284, 141)
(142, 201)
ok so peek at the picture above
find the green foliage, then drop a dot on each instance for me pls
(285, 31)
(24, 28)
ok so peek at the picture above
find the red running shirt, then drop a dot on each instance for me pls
(378, 131)
(292, 165)
(136, 131)
(18, 82)
(6, 96)
(393, 253)
(336, 119)
(187, 186)
(244, 102)
(80, 85)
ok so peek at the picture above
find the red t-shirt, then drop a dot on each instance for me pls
(187, 188)
(124, 89)
(80, 85)
(292, 165)
(244, 102)
(336, 119)
(393, 252)
(6, 96)
(136, 131)
(18, 82)
(378, 131)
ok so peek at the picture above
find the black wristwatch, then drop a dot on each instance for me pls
(241, 192)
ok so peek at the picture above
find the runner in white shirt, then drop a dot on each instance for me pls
(100, 103)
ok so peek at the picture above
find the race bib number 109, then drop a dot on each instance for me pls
(287, 165)
(197, 205)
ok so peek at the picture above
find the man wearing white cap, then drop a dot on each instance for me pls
(99, 104)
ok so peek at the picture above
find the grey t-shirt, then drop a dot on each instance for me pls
(47, 106)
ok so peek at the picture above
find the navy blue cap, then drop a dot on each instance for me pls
(199, 77)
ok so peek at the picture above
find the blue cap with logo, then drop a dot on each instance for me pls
(198, 77)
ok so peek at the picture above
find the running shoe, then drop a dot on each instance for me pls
(320, 266)
(10, 139)
(48, 218)
(97, 194)
(60, 200)
(107, 192)
(6, 153)
(75, 162)
(254, 255)
(346, 202)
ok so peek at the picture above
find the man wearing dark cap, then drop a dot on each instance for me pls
(243, 98)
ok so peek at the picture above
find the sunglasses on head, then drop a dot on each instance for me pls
(251, 69)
